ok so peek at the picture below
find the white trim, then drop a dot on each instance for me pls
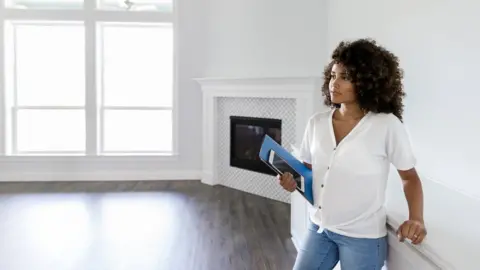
(136, 153)
(102, 5)
(138, 108)
(423, 250)
(15, 23)
(14, 102)
(411, 255)
(130, 175)
(91, 103)
(282, 87)
(176, 78)
(13, 131)
(259, 81)
(209, 146)
(47, 153)
(18, 108)
(84, 15)
(135, 24)
(14, 63)
(100, 91)
(61, 160)
(296, 244)
(3, 107)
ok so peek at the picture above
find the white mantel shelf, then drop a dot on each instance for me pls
(300, 88)
(281, 87)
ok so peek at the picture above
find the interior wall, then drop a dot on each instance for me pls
(268, 38)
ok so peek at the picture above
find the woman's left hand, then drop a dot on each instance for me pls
(413, 230)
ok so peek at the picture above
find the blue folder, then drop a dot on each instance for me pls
(269, 144)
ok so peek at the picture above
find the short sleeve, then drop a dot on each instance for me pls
(305, 152)
(399, 146)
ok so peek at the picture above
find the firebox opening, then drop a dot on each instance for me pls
(246, 136)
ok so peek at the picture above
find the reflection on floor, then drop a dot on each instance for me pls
(140, 226)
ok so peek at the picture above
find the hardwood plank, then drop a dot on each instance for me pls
(141, 225)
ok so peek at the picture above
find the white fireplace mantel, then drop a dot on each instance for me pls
(302, 89)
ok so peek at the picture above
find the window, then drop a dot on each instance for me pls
(132, 59)
(137, 5)
(88, 78)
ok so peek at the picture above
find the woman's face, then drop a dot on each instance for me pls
(341, 88)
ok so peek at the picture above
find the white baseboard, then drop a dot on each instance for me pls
(295, 243)
(101, 176)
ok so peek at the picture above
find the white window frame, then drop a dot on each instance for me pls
(11, 145)
(89, 16)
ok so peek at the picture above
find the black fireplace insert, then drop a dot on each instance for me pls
(246, 136)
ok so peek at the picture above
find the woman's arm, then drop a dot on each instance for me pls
(414, 227)
(412, 186)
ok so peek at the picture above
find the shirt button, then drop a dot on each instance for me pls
(319, 207)
(328, 168)
(322, 185)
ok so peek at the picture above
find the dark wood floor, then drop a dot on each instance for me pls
(178, 225)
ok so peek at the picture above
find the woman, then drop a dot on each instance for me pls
(350, 149)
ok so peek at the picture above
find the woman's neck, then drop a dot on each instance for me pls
(350, 112)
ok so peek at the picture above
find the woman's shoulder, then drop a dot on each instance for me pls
(320, 115)
(388, 122)
(386, 118)
(318, 120)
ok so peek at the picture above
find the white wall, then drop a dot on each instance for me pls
(267, 38)
(438, 46)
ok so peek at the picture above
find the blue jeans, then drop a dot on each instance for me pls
(322, 251)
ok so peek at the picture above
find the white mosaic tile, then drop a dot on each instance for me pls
(242, 179)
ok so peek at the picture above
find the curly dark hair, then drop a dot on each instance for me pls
(375, 74)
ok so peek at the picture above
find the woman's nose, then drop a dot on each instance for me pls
(335, 82)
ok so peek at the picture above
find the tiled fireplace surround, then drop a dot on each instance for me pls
(242, 179)
(288, 99)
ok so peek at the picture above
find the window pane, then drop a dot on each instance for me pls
(137, 65)
(45, 4)
(129, 130)
(137, 5)
(51, 130)
(50, 65)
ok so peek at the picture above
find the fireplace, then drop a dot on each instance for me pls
(246, 136)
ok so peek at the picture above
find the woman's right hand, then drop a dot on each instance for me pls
(287, 182)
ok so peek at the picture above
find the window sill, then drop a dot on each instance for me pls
(90, 159)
